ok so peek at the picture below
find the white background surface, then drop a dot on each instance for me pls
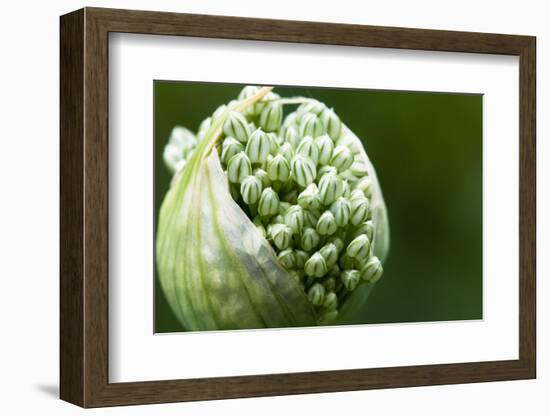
(131, 242)
(29, 209)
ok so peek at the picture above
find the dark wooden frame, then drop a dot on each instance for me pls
(84, 207)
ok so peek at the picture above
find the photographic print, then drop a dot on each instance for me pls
(284, 206)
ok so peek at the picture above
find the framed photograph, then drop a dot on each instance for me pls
(260, 207)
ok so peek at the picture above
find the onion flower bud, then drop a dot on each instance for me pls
(271, 117)
(251, 189)
(230, 148)
(238, 168)
(360, 209)
(310, 125)
(287, 258)
(309, 149)
(278, 169)
(283, 215)
(236, 126)
(341, 158)
(316, 294)
(258, 147)
(331, 187)
(350, 279)
(359, 248)
(372, 270)
(316, 266)
(330, 254)
(326, 147)
(269, 203)
(341, 211)
(332, 123)
(310, 239)
(326, 225)
(281, 235)
(303, 170)
(309, 198)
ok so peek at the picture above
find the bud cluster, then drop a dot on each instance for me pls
(305, 191)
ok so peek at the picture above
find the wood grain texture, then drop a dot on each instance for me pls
(84, 207)
(71, 217)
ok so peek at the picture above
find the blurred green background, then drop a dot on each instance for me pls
(427, 151)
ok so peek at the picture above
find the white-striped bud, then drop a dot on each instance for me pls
(251, 189)
(341, 210)
(326, 225)
(309, 149)
(341, 158)
(271, 117)
(278, 169)
(326, 147)
(238, 167)
(258, 146)
(269, 203)
(303, 170)
(359, 247)
(372, 270)
(316, 266)
(236, 126)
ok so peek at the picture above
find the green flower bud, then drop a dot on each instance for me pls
(331, 301)
(332, 123)
(274, 144)
(287, 151)
(329, 283)
(292, 136)
(219, 111)
(203, 127)
(316, 266)
(358, 169)
(326, 147)
(341, 158)
(283, 207)
(271, 117)
(287, 258)
(309, 149)
(310, 239)
(328, 316)
(360, 210)
(294, 218)
(263, 177)
(182, 138)
(311, 217)
(326, 225)
(278, 169)
(230, 148)
(300, 258)
(347, 189)
(341, 210)
(350, 279)
(323, 170)
(308, 198)
(238, 167)
(278, 219)
(330, 188)
(247, 92)
(251, 189)
(330, 254)
(269, 203)
(258, 146)
(316, 294)
(236, 126)
(365, 184)
(334, 272)
(359, 247)
(337, 241)
(372, 270)
(312, 106)
(172, 155)
(281, 236)
(356, 193)
(303, 170)
(311, 125)
(366, 228)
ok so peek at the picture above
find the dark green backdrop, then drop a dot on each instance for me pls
(427, 151)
